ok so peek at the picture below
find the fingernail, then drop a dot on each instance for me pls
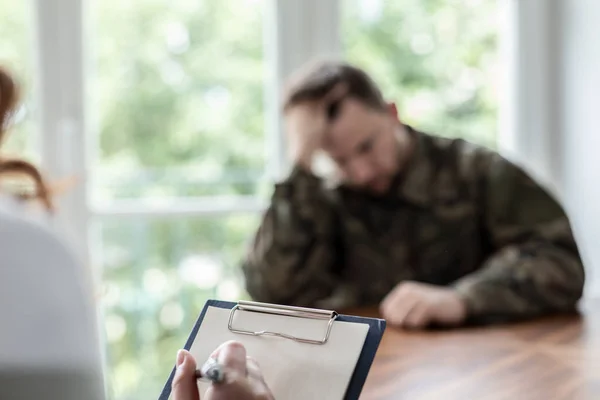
(180, 358)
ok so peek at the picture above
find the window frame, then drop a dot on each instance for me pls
(60, 69)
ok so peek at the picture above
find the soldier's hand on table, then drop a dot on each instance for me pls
(416, 305)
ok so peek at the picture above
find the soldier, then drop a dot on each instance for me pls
(434, 230)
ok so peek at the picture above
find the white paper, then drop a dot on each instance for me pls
(293, 370)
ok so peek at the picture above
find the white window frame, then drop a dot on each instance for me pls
(529, 111)
(61, 98)
(296, 31)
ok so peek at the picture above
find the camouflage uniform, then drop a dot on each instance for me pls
(457, 215)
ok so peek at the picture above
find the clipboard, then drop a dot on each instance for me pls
(326, 318)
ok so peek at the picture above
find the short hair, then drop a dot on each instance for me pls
(315, 80)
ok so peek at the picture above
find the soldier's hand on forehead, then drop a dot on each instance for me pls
(307, 123)
(417, 305)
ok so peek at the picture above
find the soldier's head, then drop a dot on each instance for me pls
(364, 129)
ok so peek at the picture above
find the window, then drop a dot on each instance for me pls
(16, 54)
(178, 164)
(157, 276)
(178, 97)
(438, 60)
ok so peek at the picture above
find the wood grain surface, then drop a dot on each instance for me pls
(549, 358)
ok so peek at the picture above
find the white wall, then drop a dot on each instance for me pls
(298, 31)
(552, 109)
(579, 102)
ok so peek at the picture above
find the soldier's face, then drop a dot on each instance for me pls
(363, 144)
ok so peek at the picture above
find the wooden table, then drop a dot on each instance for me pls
(546, 359)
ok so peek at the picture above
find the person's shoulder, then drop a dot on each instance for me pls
(480, 166)
(39, 272)
(20, 226)
(463, 158)
(14, 209)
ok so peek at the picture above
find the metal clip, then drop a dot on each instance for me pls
(276, 309)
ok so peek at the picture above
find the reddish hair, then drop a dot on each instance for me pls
(9, 96)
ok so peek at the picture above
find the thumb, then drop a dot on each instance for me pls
(184, 385)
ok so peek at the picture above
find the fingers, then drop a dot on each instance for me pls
(243, 377)
(256, 380)
(388, 300)
(184, 385)
(407, 306)
(418, 317)
(253, 368)
(397, 311)
(232, 356)
(397, 298)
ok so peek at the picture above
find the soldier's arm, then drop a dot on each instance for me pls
(536, 268)
(293, 255)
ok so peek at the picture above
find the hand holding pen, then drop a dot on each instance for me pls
(232, 373)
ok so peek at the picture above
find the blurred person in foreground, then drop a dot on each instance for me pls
(48, 336)
(49, 347)
(433, 230)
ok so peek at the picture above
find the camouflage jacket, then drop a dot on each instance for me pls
(457, 215)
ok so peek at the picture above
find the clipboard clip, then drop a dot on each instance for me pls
(276, 309)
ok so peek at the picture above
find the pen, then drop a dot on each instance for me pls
(211, 371)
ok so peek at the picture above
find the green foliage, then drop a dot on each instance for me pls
(16, 54)
(158, 275)
(179, 89)
(179, 85)
(436, 59)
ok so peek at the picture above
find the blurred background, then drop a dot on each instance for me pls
(167, 115)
